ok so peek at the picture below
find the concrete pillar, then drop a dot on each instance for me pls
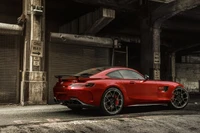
(146, 48)
(173, 66)
(156, 53)
(150, 49)
(33, 85)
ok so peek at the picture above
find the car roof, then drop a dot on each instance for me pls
(108, 70)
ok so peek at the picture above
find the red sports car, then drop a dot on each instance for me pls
(112, 88)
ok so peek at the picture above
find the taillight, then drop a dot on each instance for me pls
(82, 85)
(89, 84)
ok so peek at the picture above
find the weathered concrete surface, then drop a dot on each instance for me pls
(169, 10)
(90, 23)
(188, 75)
(57, 119)
(118, 4)
(144, 124)
(33, 82)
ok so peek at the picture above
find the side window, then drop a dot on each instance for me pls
(129, 74)
(115, 74)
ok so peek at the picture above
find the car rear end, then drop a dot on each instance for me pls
(73, 91)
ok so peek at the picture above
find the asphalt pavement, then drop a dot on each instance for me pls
(58, 118)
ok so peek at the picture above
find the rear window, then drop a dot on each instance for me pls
(90, 72)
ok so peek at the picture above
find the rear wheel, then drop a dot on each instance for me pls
(179, 99)
(112, 101)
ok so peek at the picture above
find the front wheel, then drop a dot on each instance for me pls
(112, 101)
(179, 99)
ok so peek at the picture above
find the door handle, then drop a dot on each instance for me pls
(132, 82)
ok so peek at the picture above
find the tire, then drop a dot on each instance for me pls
(112, 101)
(179, 99)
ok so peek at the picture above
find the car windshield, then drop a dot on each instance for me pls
(90, 72)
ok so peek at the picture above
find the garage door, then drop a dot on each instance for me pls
(9, 69)
(65, 59)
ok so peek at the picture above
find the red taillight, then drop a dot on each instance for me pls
(89, 84)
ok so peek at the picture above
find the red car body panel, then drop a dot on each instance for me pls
(135, 91)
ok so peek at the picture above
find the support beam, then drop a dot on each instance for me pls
(187, 47)
(146, 49)
(169, 10)
(163, 1)
(128, 39)
(179, 36)
(81, 40)
(92, 23)
(33, 84)
(173, 66)
(181, 25)
(117, 4)
(156, 53)
(11, 29)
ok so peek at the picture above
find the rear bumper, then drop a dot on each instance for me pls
(83, 96)
(73, 102)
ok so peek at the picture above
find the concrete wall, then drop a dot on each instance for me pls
(188, 74)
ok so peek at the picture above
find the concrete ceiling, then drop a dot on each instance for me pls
(176, 31)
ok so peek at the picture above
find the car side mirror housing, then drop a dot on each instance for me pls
(146, 77)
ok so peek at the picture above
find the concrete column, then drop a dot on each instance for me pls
(146, 49)
(156, 53)
(33, 85)
(150, 50)
(173, 66)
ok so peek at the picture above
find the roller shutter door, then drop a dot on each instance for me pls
(9, 69)
(66, 59)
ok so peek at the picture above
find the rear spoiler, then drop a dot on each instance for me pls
(59, 77)
(72, 77)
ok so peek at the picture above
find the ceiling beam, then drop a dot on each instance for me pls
(163, 1)
(92, 23)
(117, 4)
(193, 14)
(179, 36)
(187, 47)
(81, 40)
(190, 51)
(191, 26)
(167, 11)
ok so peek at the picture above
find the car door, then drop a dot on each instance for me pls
(138, 89)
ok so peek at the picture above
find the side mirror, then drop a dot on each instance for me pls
(146, 77)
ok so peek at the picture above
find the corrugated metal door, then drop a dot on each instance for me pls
(65, 59)
(9, 69)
